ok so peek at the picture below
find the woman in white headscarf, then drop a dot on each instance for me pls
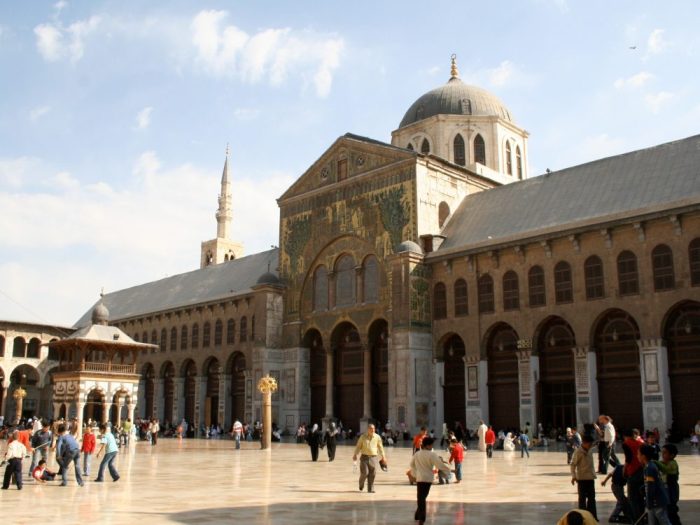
(508, 444)
(314, 438)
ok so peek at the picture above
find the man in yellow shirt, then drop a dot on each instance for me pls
(370, 448)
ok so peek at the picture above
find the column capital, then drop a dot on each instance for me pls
(523, 355)
(650, 344)
(580, 352)
(472, 359)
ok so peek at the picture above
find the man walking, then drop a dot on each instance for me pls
(41, 440)
(13, 455)
(481, 433)
(68, 450)
(490, 439)
(583, 474)
(370, 448)
(109, 447)
(606, 445)
(422, 464)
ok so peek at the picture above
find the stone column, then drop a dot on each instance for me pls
(329, 384)
(527, 402)
(439, 367)
(366, 388)
(656, 385)
(267, 385)
(158, 397)
(178, 400)
(19, 394)
(585, 408)
(223, 381)
(130, 411)
(56, 409)
(105, 411)
(3, 406)
(79, 405)
(199, 393)
(472, 382)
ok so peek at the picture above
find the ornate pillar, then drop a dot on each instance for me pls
(56, 409)
(329, 384)
(439, 396)
(19, 395)
(586, 396)
(528, 408)
(130, 411)
(225, 401)
(474, 401)
(656, 385)
(366, 388)
(199, 392)
(267, 385)
(178, 400)
(79, 405)
(158, 397)
(105, 411)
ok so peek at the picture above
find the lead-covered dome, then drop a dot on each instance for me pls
(455, 98)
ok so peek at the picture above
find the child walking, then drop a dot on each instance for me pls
(456, 456)
(622, 512)
(669, 474)
(657, 496)
(87, 448)
(583, 475)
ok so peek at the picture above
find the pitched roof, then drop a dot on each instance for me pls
(187, 289)
(659, 178)
(96, 333)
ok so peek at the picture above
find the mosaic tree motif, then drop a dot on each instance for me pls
(394, 213)
(298, 234)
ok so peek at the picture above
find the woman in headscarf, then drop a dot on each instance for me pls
(313, 438)
(508, 442)
(330, 438)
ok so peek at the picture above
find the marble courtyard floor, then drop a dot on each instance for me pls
(202, 481)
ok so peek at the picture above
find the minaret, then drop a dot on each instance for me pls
(222, 249)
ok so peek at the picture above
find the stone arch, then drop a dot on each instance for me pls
(318, 360)
(34, 348)
(94, 405)
(556, 388)
(118, 410)
(29, 378)
(615, 337)
(453, 385)
(211, 370)
(378, 340)
(504, 397)
(19, 347)
(188, 372)
(236, 367)
(148, 376)
(167, 373)
(348, 374)
(681, 330)
(443, 213)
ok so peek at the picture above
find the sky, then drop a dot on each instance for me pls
(115, 115)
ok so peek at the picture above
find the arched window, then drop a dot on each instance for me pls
(218, 332)
(163, 340)
(593, 274)
(154, 337)
(183, 338)
(135, 338)
(33, 348)
(19, 347)
(511, 291)
(206, 334)
(509, 159)
(144, 337)
(2, 346)
(370, 280)
(479, 150)
(694, 260)
(459, 151)
(195, 335)
(230, 332)
(345, 281)
(173, 339)
(410, 146)
(536, 286)
(439, 301)
(321, 289)
(485, 289)
(519, 162)
(461, 300)
(662, 266)
(627, 274)
(425, 147)
(252, 328)
(243, 329)
(443, 213)
(563, 284)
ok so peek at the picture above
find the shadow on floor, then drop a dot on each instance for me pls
(372, 511)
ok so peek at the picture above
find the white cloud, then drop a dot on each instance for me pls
(656, 43)
(655, 101)
(143, 118)
(56, 42)
(501, 75)
(13, 172)
(635, 81)
(38, 112)
(60, 6)
(270, 55)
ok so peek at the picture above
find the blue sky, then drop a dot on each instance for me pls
(114, 115)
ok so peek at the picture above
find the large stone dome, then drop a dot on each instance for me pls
(455, 98)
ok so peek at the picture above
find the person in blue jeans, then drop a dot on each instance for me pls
(656, 494)
(67, 451)
(110, 448)
(524, 445)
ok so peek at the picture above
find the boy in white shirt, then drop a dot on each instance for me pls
(422, 464)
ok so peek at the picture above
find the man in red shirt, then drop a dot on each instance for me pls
(418, 439)
(634, 472)
(24, 437)
(490, 439)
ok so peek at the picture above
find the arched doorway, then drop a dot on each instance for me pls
(348, 375)
(317, 374)
(682, 334)
(379, 347)
(149, 377)
(556, 390)
(619, 380)
(27, 377)
(2, 379)
(94, 406)
(190, 375)
(238, 387)
(168, 374)
(212, 371)
(453, 388)
(504, 398)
